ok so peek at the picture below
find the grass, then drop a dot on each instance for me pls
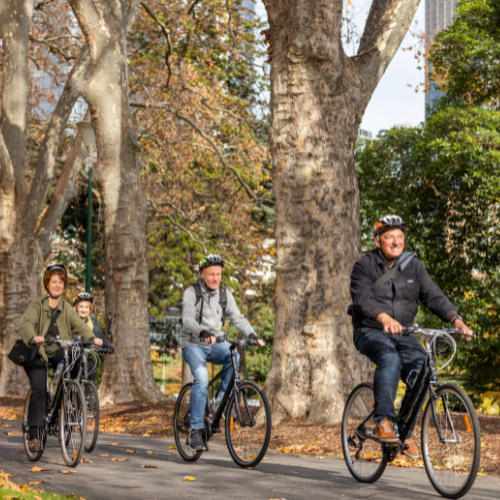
(13, 491)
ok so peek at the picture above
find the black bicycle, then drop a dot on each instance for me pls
(91, 350)
(246, 413)
(450, 433)
(66, 411)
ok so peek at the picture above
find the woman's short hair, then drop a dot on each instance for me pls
(60, 274)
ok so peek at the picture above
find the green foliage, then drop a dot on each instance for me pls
(443, 179)
(465, 58)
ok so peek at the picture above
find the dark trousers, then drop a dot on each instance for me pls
(37, 373)
(395, 358)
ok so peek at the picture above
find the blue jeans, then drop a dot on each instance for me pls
(196, 357)
(395, 358)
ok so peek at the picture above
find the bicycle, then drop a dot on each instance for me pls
(450, 433)
(65, 413)
(247, 417)
(90, 390)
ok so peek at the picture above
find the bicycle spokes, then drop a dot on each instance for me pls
(73, 422)
(182, 425)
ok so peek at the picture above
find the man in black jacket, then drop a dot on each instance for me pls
(390, 308)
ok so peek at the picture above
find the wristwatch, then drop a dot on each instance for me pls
(455, 318)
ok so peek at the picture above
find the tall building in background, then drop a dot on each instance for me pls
(438, 16)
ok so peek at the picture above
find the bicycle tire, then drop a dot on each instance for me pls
(42, 435)
(432, 454)
(182, 426)
(92, 400)
(370, 461)
(73, 413)
(247, 415)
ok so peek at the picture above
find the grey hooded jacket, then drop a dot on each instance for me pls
(212, 316)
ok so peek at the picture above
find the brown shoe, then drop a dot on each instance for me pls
(34, 445)
(412, 450)
(385, 432)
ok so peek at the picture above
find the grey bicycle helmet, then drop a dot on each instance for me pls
(388, 222)
(82, 297)
(210, 260)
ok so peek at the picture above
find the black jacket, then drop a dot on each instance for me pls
(398, 298)
(100, 334)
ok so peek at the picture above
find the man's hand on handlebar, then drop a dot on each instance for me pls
(259, 341)
(467, 332)
(38, 340)
(390, 324)
(97, 341)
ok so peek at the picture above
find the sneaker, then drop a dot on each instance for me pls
(197, 443)
(385, 432)
(412, 450)
(34, 445)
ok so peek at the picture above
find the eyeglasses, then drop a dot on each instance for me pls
(399, 237)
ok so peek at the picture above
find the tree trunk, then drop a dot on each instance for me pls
(128, 375)
(318, 97)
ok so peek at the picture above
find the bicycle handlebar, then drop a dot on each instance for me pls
(429, 332)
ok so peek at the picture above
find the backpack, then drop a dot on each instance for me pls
(222, 301)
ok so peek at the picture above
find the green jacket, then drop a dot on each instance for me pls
(36, 322)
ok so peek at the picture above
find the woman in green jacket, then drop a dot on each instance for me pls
(36, 322)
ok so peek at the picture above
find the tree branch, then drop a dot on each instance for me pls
(48, 150)
(225, 164)
(235, 45)
(7, 177)
(53, 48)
(385, 28)
(64, 193)
(166, 33)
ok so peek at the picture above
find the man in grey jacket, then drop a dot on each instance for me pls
(204, 310)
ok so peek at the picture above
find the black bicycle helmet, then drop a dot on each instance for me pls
(56, 267)
(210, 260)
(388, 222)
(82, 297)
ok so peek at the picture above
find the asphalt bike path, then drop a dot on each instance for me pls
(216, 476)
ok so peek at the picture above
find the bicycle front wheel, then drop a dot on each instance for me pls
(182, 425)
(42, 435)
(73, 424)
(451, 442)
(92, 400)
(363, 456)
(248, 431)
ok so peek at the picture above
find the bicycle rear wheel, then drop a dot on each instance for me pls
(42, 435)
(248, 434)
(451, 442)
(182, 425)
(363, 456)
(73, 424)
(92, 400)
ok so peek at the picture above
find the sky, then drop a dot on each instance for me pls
(393, 102)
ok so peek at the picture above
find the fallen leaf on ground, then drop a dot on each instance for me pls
(151, 452)
(165, 426)
(19, 451)
(37, 469)
(15, 433)
(104, 455)
(38, 498)
(35, 483)
(7, 474)
(131, 451)
(172, 447)
(114, 444)
(10, 497)
(7, 426)
(149, 466)
(146, 434)
(481, 473)
(119, 459)
(189, 478)
(87, 461)
(69, 472)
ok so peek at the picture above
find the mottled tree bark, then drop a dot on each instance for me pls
(318, 97)
(25, 231)
(128, 375)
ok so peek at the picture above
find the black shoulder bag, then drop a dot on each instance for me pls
(394, 272)
(22, 355)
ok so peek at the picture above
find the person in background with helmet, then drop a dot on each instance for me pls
(84, 304)
(36, 322)
(389, 308)
(205, 306)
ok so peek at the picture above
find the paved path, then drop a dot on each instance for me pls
(216, 476)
